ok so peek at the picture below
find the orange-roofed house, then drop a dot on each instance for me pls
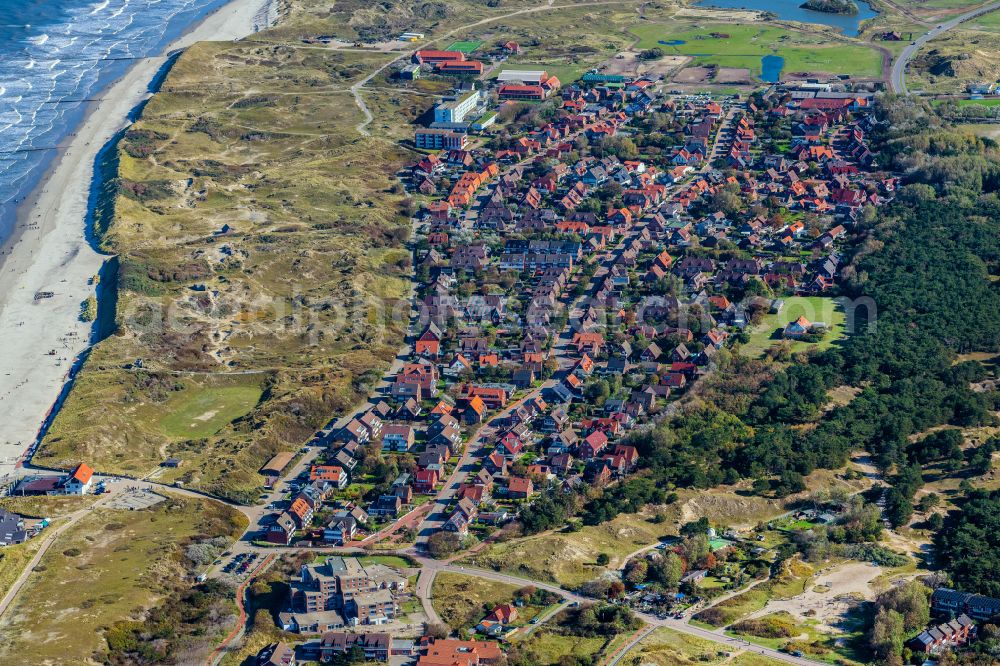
(798, 328)
(719, 302)
(447, 652)
(332, 473)
(79, 480)
(504, 614)
(495, 398)
(442, 408)
(475, 411)
(431, 56)
(592, 343)
(301, 511)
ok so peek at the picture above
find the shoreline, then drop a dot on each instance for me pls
(50, 248)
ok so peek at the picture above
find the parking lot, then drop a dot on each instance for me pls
(135, 500)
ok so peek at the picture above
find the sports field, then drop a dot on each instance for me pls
(464, 47)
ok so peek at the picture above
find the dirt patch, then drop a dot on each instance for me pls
(835, 593)
(722, 15)
(733, 75)
(694, 75)
(628, 63)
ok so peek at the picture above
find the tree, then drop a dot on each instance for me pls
(935, 522)
(436, 630)
(911, 601)
(886, 636)
(442, 544)
(603, 559)
(636, 571)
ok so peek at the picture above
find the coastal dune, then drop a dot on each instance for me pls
(48, 269)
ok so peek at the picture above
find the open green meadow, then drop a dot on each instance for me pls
(817, 309)
(742, 46)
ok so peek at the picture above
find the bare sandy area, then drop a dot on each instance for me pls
(50, 252)
(693, 75)
(831, 594)
(734, 15)
(733, 75)
(629, 63)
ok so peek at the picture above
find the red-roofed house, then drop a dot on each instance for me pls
(79, 480)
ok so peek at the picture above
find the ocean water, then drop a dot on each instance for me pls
(56, 56)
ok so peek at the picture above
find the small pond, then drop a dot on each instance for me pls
(770, 68)
(789, 10)
(672, 42)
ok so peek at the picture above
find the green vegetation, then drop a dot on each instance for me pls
(831, 6)
(464, 46)
(570, 557)
(817, 309)
(204, 411)
(969, 543)
(792, 579)
(666, 647)
(462, 601)
(88, 309)
(576, 636)
(111, 566)
(742, 46)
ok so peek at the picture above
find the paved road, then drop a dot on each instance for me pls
(898, 78)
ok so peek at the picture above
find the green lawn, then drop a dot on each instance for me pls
(204, 411)
(805, 637)
(979, 102)
(464, 46)
(814, 308)
(744, 45)
(394, 561)
(550, 648)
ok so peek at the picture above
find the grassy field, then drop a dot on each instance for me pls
(979, 102)
(460, 600)
(814, 308)
(804, 636)
(202, 413)
(666, 647)
(464, 46)
(569, 558)
(550, 648)
(744, 45)
(14, 558)
(394, 561)
(793, 580)
(108, 567)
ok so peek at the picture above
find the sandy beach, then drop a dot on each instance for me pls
(49, 251)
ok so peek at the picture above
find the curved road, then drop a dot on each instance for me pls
(898, 78)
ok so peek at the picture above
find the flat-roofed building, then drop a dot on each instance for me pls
(440, 139)
(455, 109)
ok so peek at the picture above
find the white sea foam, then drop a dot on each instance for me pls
(99, 6)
